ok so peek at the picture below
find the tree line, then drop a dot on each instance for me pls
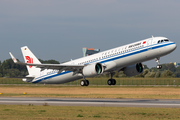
(168, 70)
(9, 69)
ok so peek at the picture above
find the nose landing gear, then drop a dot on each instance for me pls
(157, 61)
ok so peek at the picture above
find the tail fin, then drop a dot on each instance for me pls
(29, 57)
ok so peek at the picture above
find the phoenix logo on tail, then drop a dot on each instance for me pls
(29, 60)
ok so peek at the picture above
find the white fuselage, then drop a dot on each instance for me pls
(114, 59)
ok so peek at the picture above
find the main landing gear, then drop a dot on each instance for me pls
(157, 61)
(84, 82)
(111, 81)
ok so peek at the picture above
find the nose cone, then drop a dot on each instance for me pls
(173, 47)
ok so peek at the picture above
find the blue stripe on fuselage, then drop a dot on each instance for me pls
(112, 58)
(55, 75)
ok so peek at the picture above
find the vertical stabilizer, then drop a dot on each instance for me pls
(29, 57)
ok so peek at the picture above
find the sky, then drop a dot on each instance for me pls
(59, 29)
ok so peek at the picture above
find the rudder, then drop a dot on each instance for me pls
(29, 57)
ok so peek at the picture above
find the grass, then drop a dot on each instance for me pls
(103, 81)
(21, 112)
(98, 89)
(91, 92)
(12, 81)
(46, 112)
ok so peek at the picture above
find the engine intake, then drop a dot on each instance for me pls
(92, 70)
(134, 70)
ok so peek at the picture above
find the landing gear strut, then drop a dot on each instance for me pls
(157, 61)
(84, 82)
(111, 81)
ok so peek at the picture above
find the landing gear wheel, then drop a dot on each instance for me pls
(159, 66)
(157, 61)
(84, 83)
(111, 82)
(87, 83)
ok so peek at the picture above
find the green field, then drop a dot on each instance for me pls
(45, 112)
(103, 81)
(97, 89)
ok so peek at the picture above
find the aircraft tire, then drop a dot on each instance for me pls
(82, 83)
(159, 66)
(113, 82)
(86, 82)
(109, 82)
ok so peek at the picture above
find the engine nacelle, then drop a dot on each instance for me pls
(134, 70)
(92, 70)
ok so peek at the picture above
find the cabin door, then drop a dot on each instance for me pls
(149, 43)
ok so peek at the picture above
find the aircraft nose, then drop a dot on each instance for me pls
(174, 46)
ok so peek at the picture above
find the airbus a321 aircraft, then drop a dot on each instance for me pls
(127, 58)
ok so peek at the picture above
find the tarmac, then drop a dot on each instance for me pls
(159, 103)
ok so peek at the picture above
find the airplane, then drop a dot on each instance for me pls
(127, 58)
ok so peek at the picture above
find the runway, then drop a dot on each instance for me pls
(91, 102)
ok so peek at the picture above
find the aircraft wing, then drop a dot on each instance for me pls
(60, 67)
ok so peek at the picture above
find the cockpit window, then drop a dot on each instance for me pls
(166, 40)
(160, 41)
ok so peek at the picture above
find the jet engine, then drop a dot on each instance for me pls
(92, 70)
(134, 70)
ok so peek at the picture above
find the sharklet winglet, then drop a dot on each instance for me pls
(13, 58)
